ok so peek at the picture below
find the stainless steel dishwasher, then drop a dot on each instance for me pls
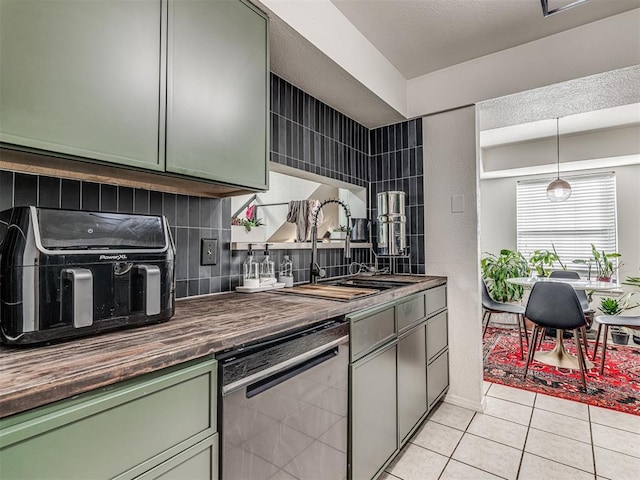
(284, 406)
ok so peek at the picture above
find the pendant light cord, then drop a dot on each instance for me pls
(558, 143)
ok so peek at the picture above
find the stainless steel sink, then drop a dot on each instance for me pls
(344, 289)
(369, 283)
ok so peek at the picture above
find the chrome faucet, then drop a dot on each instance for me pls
(315, 270)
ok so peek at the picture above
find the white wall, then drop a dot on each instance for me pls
(452, 243)
(592, 145)
(597, 47)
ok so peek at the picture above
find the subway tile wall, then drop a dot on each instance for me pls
(396, 164)
(308, 135)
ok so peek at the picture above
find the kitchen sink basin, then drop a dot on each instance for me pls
(369, 283)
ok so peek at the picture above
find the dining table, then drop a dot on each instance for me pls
(559, 356)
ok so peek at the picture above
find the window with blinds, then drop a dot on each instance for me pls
(588, 216)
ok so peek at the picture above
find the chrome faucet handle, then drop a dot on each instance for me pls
(321, 272)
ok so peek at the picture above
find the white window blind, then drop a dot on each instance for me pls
(588, 216)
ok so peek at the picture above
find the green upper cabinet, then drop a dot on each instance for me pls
(82, 78)
(217, 91)
(176, 86)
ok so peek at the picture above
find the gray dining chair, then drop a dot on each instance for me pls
(582, 295)
(491, 306)
(556, 305)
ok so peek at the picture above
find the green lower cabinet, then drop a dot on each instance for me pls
(399, 369)
(412, 380)
(372, 415)
(197, 462)
(122, 431)
(438, 377)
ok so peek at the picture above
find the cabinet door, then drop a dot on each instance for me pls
(437, 338)
(82, 78)
(438, 377)
(372, 414)
(412, 380)
(120, 431)
(199, 461)
(217, 95)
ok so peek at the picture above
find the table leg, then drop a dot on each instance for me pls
(559, 357)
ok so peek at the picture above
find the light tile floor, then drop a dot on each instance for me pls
(522, 435)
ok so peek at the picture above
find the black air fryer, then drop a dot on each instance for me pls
(66, 273)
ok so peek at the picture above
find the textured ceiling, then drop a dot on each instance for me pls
(596, 92)
(422, 36)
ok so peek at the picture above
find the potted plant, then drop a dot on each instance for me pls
(496, 269)
(605, 267)
(611, 306)
(340, 233)
(541, 258)
(249, 229)
(634, 282)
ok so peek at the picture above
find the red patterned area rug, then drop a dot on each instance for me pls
(618, 389)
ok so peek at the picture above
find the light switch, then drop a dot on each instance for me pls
(457, 203)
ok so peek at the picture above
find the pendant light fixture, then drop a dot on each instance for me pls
(559, 190)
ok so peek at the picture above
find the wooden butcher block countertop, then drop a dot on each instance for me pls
(35, 376)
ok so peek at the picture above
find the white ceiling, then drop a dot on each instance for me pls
(422, 36)
(417, 37)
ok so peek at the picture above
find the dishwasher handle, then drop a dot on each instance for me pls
(277, 378)
(285, 366)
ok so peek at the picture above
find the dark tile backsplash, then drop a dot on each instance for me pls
(308, 135)
(305, 134)
(396, 164)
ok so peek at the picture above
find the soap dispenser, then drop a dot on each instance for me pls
(250, 271)
(267, 268)
(286, 272)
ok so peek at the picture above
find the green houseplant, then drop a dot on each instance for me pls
(496, 269)
(250, 221)
(603, 263)
(540, 259)
(610, 306)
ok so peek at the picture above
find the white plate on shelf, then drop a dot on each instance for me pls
(273, 286)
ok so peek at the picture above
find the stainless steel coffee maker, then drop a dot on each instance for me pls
(392, 223)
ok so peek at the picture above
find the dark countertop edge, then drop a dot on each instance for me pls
(19, 400)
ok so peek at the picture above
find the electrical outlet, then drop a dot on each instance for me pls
(209, 251)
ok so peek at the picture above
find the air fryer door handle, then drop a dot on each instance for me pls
(150, 288)
(77, 296)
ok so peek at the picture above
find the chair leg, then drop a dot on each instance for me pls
(585, 343)
(486, 315)
(534, 336)
(604, 348)
(540, 338)
(595, 349)
(524, 326)
(520, 335)
(576, 336)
